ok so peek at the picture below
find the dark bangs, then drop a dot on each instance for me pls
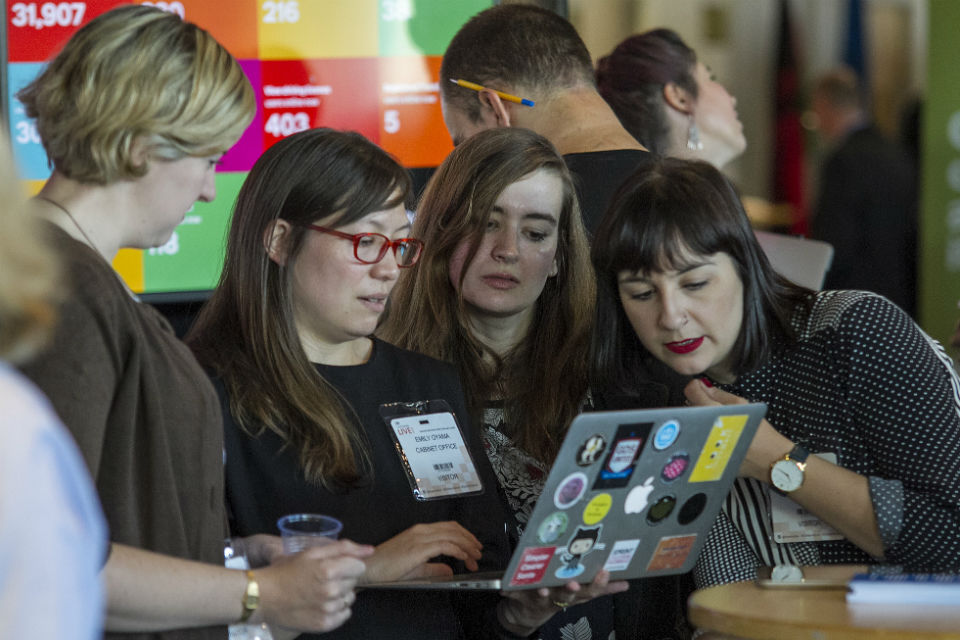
(350, 176)
(665, 214)
(662, 217)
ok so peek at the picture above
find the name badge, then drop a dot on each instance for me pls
(434, 455)
(793, 523)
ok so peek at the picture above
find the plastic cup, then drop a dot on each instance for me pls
(302, 530)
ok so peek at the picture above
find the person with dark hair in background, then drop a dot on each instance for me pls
(134, 114)
(533, 53)
(669, 100)
(863, 422)
(867, 205)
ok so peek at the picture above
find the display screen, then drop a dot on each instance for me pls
(365, 65)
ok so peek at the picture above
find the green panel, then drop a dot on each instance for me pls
(193, 258)
(940, 195)
(423, 27)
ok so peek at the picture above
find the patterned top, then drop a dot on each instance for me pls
(864, 382)
(521, 478)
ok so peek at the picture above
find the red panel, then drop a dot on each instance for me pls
(301, 94)
(38, 30)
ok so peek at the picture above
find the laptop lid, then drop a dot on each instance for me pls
(634, 491)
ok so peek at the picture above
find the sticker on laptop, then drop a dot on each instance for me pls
(621, 555)
(597, 509)
(692, 508)
(583, 541)
(591, 450)
(675, 467)
(671, 552)
(666, 435)
(639, 497)
(622, 457)
(661, 508)
(554, 526)
(718, 448)
(570, 490)
(533, 564)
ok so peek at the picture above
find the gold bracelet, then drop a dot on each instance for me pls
(251, 598)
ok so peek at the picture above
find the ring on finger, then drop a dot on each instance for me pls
(561, 604)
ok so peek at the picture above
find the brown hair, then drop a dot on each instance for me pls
(512, 47)
(136, 72)
(246, 332)
(631, 79)
(543, 381)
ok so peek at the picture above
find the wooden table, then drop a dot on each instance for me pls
(744, 610)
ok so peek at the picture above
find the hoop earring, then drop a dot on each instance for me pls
(693, 136)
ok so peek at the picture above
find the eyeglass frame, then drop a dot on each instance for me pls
(388, 244)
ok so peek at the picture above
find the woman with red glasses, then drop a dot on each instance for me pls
(312, 401)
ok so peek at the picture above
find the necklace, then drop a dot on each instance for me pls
(89, 241)
(72, 219)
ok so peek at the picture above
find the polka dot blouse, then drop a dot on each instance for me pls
(864, 382)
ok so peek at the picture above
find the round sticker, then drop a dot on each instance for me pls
(692, 508)
(570, 490)
(666, 435)
(660, 509)
(596, 510)
(554, 526)
(675, 467)
(591, 450)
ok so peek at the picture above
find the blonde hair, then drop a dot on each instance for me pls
(27, 270)
(137, 73)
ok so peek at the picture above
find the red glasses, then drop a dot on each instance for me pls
(369, 248)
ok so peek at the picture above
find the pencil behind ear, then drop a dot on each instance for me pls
(494, 111)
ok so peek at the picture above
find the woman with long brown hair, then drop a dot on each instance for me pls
(505, 292)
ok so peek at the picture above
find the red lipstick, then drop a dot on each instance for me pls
(684, 346)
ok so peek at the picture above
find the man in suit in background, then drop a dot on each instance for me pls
(867, 207)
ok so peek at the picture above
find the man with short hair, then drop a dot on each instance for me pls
(867, 208)
(533, 53)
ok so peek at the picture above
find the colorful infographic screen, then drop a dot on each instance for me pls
(366, 65)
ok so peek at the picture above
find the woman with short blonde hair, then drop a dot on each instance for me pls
(134, 113)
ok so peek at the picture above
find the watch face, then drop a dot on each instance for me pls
(786, 475)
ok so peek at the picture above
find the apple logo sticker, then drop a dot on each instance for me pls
(638, 497)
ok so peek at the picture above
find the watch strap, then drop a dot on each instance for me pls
(251, 597)
(799, 454)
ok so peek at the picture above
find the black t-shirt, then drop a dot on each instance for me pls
(264, 482)
(598, 175)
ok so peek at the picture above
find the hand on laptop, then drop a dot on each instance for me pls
(768, 444)
(522, 612)
(406, 554)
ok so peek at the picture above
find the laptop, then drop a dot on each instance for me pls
(634, 492)
(802, 260)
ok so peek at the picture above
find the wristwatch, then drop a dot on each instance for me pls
(786, 474)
